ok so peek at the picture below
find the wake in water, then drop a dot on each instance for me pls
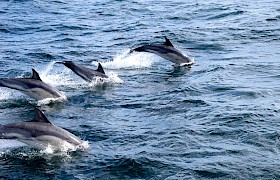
(127, 60)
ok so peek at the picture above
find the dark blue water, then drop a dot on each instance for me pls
(218, 119)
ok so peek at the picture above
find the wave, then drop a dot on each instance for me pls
(227, 14)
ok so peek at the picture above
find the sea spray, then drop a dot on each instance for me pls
(128, 60)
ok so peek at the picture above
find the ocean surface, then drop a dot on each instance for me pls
(219, 119)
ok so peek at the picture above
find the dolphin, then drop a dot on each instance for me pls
(33, 87)
(86, 73)
(41, 134)
(167, 51)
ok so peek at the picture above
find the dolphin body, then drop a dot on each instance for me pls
(167, 51)
(33, 87)
(86, 73)
(40, 133)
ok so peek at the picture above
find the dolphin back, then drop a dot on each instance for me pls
(17, 84)
(86, 73)
(166, 51)
(10, 132)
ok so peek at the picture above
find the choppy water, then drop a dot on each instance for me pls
(218, 119)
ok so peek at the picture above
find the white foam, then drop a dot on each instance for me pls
(48, 150)
(112, 79)
(127, 60)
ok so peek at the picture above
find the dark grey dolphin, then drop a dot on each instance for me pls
(40, 133)
(86, 73)
(33, 87)
(167, 51)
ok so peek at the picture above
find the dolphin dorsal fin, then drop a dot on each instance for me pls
(167, 42)
(40, 117)
(35, 75)
(100, 68)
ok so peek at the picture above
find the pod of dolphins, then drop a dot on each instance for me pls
(40, 133)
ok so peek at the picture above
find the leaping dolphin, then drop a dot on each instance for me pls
(40, 133)
(33, 87)
(86, 73)
(167, 51)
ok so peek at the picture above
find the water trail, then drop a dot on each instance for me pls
(128, 60)
(48, 68)
(57, 76)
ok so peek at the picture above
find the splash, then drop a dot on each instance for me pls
(111, 80)
(128, 60)
(48, 69)
(65, 148)
(46, 101)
